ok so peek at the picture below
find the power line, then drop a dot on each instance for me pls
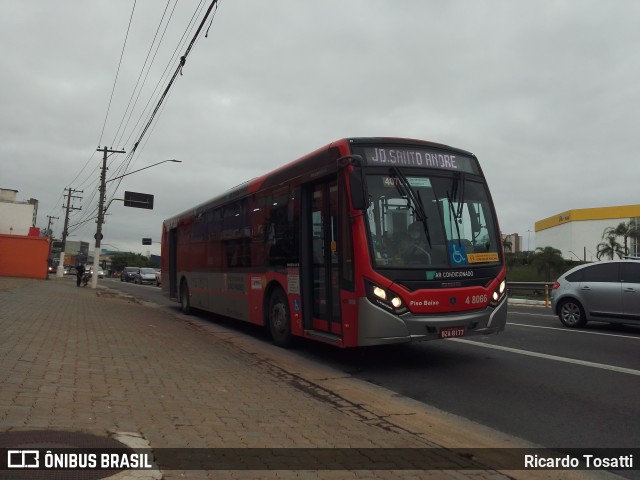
(128, 161)
(117, 72)
(143, 69)
(183, 61)
(109, 104)
(91, 213)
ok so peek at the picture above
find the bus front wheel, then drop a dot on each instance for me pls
(279, 319)
(185, 303)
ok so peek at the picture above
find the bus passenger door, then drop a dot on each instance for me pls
(320, 254)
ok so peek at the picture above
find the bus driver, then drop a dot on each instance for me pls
(413, 247)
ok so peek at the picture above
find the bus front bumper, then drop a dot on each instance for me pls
(380, 327)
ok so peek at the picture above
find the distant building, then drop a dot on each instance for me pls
(577, 233)
(512, 243)
(75, 252)
(155, 260)
(16, 218)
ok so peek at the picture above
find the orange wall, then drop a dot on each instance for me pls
(23, 256)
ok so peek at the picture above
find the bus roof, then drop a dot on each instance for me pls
(303, 165)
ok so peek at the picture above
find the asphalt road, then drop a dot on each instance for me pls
(538, 380)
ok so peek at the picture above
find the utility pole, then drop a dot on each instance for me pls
(100, 221)
(60, 270)
(50, 235)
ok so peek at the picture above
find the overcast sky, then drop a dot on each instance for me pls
(545, 93)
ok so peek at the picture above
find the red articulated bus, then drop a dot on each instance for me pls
(366, 241)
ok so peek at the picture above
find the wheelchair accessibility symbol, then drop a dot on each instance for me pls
(457, 253)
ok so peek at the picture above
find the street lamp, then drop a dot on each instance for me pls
(101, 209)
(144, 168)
(579, 259)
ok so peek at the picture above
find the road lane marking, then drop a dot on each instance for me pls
(549, 357)
(574, 331)
(534, 314)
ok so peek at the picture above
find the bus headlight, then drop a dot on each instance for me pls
(498, 293)
(380, 293)
(385, 298)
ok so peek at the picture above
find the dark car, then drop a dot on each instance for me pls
(129, 274)
(601, 291)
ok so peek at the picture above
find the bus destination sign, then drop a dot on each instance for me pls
(408, 157)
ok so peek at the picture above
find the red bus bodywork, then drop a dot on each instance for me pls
(288, 250)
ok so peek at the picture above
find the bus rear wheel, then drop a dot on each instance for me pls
(279, 319)
(185, 303)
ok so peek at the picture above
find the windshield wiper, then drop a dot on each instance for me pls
(417, 200)
(453, 196)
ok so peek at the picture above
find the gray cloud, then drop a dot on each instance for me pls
(545, 93)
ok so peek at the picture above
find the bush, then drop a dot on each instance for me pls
(529, 273)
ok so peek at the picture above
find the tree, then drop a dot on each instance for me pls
(624, 230)
(511, 260)
(548, 259)
(525, 258)
(121, 260)
(610, 248)
(507, 245)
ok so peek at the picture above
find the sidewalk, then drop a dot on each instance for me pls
(81, 360)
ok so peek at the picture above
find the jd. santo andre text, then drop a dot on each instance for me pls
(567, 461)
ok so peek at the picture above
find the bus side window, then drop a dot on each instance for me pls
(282, 227)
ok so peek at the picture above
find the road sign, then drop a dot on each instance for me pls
(138, 200)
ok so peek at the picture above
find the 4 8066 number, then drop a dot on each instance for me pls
(477, 299)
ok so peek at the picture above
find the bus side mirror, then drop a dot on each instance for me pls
(359, 194)
(357, 185)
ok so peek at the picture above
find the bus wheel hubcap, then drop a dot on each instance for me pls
(278, 317)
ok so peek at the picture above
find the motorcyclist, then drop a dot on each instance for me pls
(86, 277)
(80, 269)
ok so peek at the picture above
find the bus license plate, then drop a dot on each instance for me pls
(451, 332)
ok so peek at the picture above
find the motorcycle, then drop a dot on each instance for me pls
(86, 278)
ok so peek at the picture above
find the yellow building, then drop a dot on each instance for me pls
(577, 233)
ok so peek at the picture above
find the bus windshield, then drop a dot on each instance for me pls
(418, 221)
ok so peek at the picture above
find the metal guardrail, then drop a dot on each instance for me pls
(542, 289)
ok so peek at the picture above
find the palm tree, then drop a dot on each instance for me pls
(511, 259)
(610, 248)
(507, 245)
(624, 230)
(548, 259)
